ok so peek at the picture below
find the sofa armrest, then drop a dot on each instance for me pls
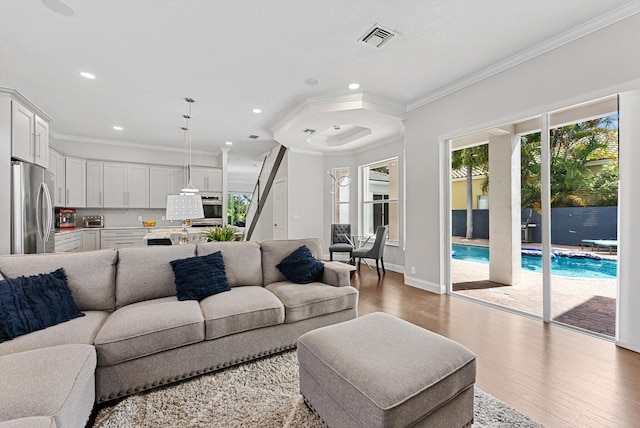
(337, 274)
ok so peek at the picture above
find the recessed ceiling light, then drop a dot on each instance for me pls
(118, 128)
(311, 82)
(229, 143)
(354, 86)
(58, 7)
(87, 75)
(256, 111)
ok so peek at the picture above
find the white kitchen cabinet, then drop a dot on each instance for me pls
(91, 240)
(22, 136)
(29, 135)
(177, 180)
(76, 182)
(207, 179)
(127, 185)
(121, 238)
(95, 184)
(163, 181)
(41, 142)
(138, 186)
(69, 242)
(57, 169)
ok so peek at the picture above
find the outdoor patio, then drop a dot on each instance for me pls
(581, 302)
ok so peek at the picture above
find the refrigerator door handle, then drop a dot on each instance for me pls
(39, 219)
(49, 212)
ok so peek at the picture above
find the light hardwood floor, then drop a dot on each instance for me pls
(559, 377)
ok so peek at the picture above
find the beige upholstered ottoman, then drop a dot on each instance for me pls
(380, 371)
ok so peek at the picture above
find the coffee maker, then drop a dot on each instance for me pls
(65, 218)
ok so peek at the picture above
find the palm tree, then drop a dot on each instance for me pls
(476, 157)
(572, 148)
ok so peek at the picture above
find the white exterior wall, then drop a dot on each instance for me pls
(562, 77)
(504, 210)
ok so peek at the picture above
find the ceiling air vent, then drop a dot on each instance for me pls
(377, 36)
(309, 131)
(254, 136)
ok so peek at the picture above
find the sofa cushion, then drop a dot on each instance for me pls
(242, 261)
(91, 274)
(76, 331)
(57, 381)
(312, 300)
(145, 273)
(149, 327)
(301, 267)
(199, 277)
(31, 303)
(274, 251)
(30, 422)
(241, 309)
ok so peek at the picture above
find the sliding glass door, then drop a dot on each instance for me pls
(544, 240)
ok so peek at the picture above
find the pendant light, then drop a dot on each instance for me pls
(189, 189)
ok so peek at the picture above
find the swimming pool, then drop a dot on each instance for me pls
(561, 266)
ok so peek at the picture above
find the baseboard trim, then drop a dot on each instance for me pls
(628, 346)
(424, 285)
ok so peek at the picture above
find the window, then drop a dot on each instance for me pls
(380, 198)
(340, 189)
(237, 206)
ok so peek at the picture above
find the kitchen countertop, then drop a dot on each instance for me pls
(157, 229)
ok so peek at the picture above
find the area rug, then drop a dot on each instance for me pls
(262, 393)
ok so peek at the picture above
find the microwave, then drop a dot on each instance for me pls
(212, 207)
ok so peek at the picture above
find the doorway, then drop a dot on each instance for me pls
(561, 266)
(280, 227)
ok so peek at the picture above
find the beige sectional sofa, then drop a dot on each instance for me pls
(137, 335)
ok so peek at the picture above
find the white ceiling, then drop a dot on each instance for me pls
(235, 55)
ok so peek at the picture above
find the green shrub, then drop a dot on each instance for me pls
(225, 233)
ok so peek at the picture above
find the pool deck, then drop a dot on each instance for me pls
(581, 302)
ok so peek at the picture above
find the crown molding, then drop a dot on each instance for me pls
(128, 144)
(14, 93)
(588, 27)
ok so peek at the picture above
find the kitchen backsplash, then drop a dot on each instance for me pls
(114, 217)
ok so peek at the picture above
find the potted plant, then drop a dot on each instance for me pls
(225, 233)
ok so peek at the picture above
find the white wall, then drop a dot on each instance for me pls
(628, 318)
(599, 64)
(305, 194)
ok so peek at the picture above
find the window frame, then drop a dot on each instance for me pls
(366, 203)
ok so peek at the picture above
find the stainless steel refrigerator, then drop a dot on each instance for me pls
(31, 209)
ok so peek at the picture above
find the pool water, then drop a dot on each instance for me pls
(561, 266)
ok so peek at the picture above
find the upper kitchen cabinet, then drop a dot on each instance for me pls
(95, 184)
(163, 181)
(207, 179)
(57, 169)
(76, 182)
(29, 135)
(128, 185)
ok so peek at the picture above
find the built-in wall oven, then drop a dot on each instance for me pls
(212, 206)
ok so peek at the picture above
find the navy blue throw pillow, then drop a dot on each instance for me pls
(200, 277)
(30, 303)
(301, 267)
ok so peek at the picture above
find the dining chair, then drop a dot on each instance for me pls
(375, 252)
(340, 235)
